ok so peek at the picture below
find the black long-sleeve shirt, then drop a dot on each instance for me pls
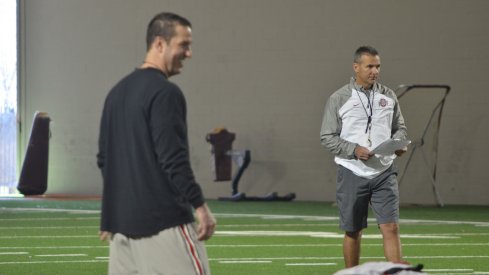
(143, 154)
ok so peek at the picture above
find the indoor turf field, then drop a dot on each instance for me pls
(39, 236)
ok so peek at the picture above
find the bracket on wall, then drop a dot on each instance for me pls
(221, 141)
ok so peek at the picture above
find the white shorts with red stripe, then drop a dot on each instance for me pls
(172, 251)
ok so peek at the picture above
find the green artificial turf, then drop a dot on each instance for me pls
(448, 240)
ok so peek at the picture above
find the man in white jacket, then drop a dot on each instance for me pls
(357, 118)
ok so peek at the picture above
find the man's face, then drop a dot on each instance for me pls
(177, 50)
(367, 70)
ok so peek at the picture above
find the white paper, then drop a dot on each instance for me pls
(390, 146)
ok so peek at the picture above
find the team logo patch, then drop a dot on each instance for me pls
(382, 102)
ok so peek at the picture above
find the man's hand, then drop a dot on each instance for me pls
(400, 152)
(207, 222)
(362, 153)
(105, 235)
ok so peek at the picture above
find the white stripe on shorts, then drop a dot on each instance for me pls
(192, 249)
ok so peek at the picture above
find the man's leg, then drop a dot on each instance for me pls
(352, 197)
(392, 242)
(174, 250)
(351, 248)
(385, 204)
(120, 256)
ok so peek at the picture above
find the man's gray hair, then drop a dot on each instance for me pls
(364, 50)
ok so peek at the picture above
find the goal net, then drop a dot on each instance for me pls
(422, 108)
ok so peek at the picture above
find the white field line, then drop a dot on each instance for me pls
(51, 219)
(62, 255)
(272, 234)
(228, 215)
(53, 262)
(309, 264)
(72, 211)
(274, 245)
(245, 262)
(54, 247)
(325, 218)
(14, 253)
(341, 258)
(334, 245)
(46, 227)
(242, 246)
(220, 226)
(322, 234)
(277, 217)
(447, 257)
(449, 270)
(49, 237)
(105, 259)
(279, 225)
(443, 244)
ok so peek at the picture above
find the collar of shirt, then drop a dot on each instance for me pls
(359, 87)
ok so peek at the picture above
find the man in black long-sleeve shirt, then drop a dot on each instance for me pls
(149, 186)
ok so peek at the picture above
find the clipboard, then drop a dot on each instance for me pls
(390, 146)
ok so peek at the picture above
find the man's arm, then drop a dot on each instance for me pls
(399, 130)
(331, 129)
(103, 235)
(168, 128)
(207, 222)
(101, 142)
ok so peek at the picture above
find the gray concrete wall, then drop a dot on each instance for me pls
(264, 70)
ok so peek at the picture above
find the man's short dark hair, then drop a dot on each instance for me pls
(364, 50)
(163, 25)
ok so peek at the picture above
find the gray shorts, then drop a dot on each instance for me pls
(354, 194)
(174, 250)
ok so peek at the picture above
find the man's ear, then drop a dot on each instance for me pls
(356, 66)
(159, 44)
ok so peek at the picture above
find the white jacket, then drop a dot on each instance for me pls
(345, 123)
